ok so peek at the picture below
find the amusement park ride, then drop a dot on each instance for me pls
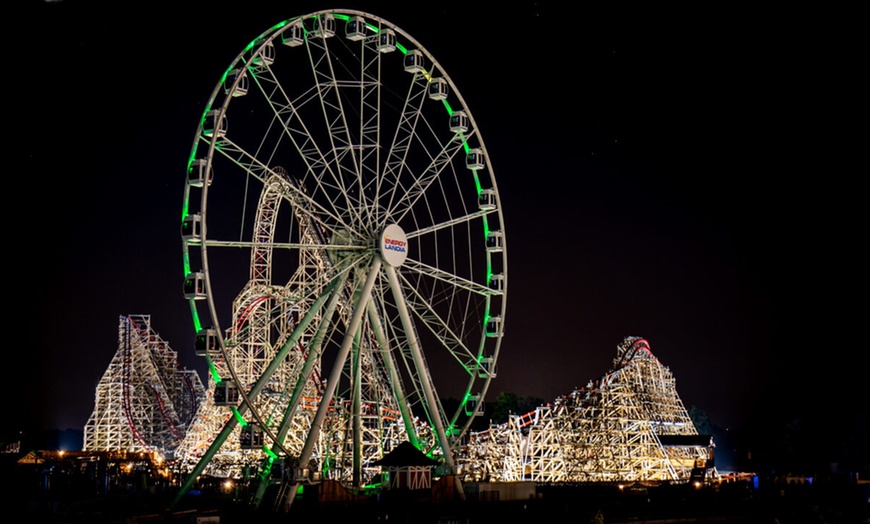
(345, 265)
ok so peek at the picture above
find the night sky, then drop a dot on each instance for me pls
(683, 175)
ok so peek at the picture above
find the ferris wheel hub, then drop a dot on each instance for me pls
(394, 245)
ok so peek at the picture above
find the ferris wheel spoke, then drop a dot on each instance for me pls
(256, 169)
(451, 341)
(283, 245)
(342, 146)
(288, 118)
(402, 142)
(453, 281)
(420, 183)
(288, 114)
(451, 223)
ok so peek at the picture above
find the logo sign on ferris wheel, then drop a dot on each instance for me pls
(394, 245)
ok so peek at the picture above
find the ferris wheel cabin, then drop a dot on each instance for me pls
(206, 343)
(226, 393)
(199, 173)
(494, 242)
(194, 286)
(324, 26)
(438, 89)
(355, 28)
(459, 122)
(486, 368)
(487, 200)
(493, 327)
(496, 283)
(475, 159)
(414, 61)
(237, 83)
(191, 229)
(251, 437)
(294, 35)
(215, 124)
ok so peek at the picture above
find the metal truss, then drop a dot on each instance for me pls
(628, 426)
(144, 402)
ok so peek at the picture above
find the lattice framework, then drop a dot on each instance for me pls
(615, 429)
(144, 401)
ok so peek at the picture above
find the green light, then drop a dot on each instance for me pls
(272, 455)
(197, 325)
(239, 416)
(401, 48)
(213, 370)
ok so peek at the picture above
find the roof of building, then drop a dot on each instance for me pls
(405, 454)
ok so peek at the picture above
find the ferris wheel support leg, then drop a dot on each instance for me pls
(243, 407)
(357, 414)
(335, 373)
(312, 358)
(423, 370)
(398, 392)
(209, 454)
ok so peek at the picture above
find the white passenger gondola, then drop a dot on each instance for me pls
(191, 229)
(215, 124)
(493, 327)
(226, 393)
(355, 28)
(265, 56)
(386, 41)
(194, 286)
(487, 367)
(236, 83)
(474, 159)
(486, 201)
(294, 35)
(414, 61)
(206, 343)
(438, 89)
(251, 437)
(496, 282)
(459, 122)
(199, 173)
(324, 26)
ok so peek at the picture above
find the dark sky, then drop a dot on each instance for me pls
(684, 175)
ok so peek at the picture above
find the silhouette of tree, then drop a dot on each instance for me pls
(700, 420)
(505, 404)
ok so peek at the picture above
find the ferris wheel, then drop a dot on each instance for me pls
(344, 250)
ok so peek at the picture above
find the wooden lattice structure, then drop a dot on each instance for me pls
(629, 425)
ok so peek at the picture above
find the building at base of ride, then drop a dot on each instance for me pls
(407, 468)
